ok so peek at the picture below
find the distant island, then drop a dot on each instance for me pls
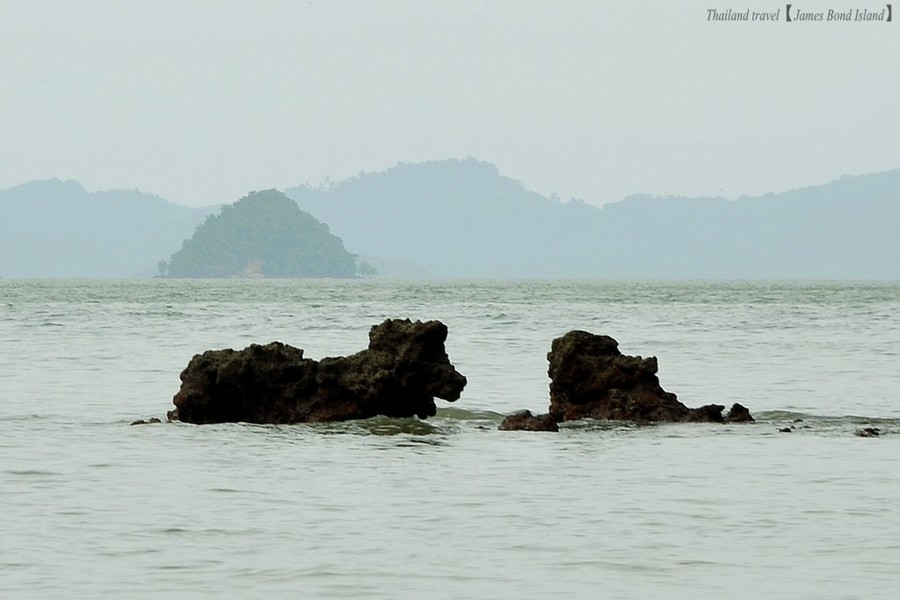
(264, 234)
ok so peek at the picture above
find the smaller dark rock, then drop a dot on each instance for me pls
(708, 413)
(525, 421)
(786, 429)
(868, 432)
(591, 378)
(739, 414)
(146, 421)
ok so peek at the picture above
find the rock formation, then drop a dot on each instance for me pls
(525, 421)
(591, 378)
(404, 368)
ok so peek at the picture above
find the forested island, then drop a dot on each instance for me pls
(264, 234)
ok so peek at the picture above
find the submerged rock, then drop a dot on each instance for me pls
(149, 421)
(591, 378)
(868, 432)
(525, 421)
(404, 368)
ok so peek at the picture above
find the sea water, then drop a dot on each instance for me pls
(796, 505)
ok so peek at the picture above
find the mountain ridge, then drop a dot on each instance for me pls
(463, 219)
(54, 228)
(815, 232)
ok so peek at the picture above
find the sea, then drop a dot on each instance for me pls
(803, 503)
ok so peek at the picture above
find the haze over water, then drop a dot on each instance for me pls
(450, 507)
(202, 103)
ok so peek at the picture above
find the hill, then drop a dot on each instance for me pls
(846, 229)
(452, 218)
(56, 228)
(264, 234)
(461, 218)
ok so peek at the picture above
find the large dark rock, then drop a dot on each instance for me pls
(399, 375)
(591, 378)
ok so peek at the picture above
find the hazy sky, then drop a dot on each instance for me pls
(201, 102)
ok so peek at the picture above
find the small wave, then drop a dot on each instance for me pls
(31, 473)
(784, 415)
(451, 420)
(456, 413)
(588, 424)
(168, 313)
(385, 426)
(379, 425)
(797, 422)
(31, 417)
(173, 531)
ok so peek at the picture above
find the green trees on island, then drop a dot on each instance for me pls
(264, 234)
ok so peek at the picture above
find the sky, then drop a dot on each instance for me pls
(203, 101)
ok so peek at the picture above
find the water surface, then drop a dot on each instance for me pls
(450, 507)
